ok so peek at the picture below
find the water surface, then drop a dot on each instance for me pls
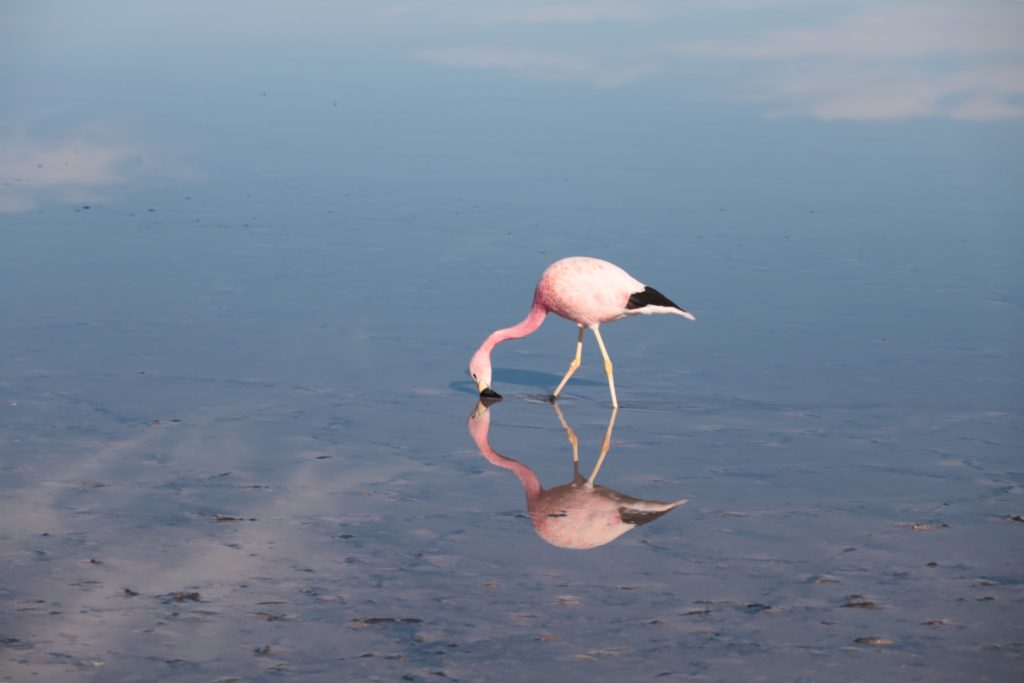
(234, 411)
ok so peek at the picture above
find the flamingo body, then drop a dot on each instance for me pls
(587, 291)
(578, 515)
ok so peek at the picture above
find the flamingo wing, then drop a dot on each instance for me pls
(650, 297)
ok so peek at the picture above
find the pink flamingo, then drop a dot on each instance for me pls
(578, 515)
(587, 291)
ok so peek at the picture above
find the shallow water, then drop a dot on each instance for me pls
(237, 432)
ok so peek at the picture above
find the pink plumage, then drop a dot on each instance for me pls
(587, 291)
(580, 514)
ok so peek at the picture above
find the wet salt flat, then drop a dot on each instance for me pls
(237, 436)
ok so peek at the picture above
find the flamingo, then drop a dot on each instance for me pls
(579, 515)
(587, 291)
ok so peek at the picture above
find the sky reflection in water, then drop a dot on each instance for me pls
(246, 251)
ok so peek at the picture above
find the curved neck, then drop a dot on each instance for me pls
(528, 325)
(478, 429)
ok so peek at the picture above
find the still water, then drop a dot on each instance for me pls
(246, 253)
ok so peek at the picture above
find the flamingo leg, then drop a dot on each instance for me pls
(572, 366)
(607, 366)
(572, 440)
(605, 445)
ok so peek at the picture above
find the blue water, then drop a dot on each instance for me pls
(245, 257)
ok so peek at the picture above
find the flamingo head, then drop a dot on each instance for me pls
(480, 371)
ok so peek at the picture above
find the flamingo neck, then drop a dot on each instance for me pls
(528, 326)
(479, 431)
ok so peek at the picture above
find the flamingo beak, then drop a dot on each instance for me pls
(489, 394)
(479, 409)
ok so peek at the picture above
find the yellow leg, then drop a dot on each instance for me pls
(605, 445)
(607, 367)
(572, 440)
(573, 365)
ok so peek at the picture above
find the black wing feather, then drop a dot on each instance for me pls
(640, 517)
(650, 297)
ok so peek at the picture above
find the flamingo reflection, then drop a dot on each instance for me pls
(579, 514)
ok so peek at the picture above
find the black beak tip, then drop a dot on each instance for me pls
(490, 394)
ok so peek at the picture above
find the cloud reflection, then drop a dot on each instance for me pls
(578, 515)
(542, 65)
(77, 169)
(953, 59)
(584, 12)
(858, 61)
